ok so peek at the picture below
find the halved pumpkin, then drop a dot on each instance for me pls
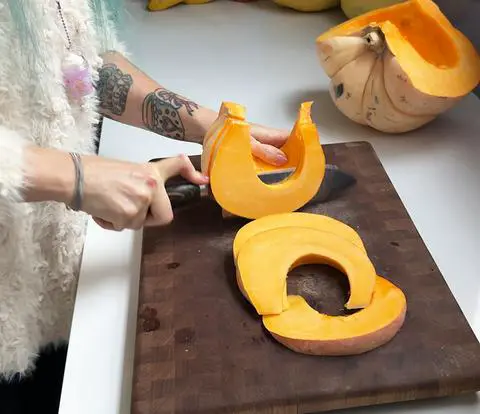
(397, 68)
(265, 259)
(295, 219)
(304, 330)
(227, 158)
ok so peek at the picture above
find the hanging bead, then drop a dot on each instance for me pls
(77, 77)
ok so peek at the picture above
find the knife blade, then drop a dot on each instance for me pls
(334, 181)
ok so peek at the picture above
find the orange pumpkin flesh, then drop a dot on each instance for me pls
(438, 59)
(295, 220)
(268, 248)
(216, 132)
(265, 259)
(304, 330)
(227, 158)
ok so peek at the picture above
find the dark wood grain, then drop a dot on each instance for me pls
(200, 347)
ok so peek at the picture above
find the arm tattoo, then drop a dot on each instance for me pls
(161, 113)
(113, 86)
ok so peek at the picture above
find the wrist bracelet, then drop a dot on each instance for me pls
(78, 192)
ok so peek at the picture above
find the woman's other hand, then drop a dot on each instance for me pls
(161, 209)
(122, 195)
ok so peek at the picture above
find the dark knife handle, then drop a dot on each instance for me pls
(184, 194)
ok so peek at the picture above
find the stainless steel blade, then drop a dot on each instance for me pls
(334, 181)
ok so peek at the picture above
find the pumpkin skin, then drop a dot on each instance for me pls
(227, 159)
(304, 330)
(397, 68)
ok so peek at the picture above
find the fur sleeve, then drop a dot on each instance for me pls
(11, 164)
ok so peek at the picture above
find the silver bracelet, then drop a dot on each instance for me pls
(78, 192)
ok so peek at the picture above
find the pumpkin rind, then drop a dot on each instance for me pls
(304, 330)
(407, 98)
(348, 94)
(378, 109)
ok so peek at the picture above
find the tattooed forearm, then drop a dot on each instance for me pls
(128, 95)
(161, 113)
(112, 87)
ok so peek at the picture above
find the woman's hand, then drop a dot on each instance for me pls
(122, 195)
(117, 194)
(161, 209)
(266, 143)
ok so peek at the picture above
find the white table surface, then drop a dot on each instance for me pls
(264, 58)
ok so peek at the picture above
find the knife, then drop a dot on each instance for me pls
(334, 181)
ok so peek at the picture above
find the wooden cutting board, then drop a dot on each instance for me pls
(200, 347)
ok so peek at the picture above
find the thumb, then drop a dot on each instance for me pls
(105, 224)
(179, 165)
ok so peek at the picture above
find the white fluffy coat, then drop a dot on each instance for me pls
(40, 243)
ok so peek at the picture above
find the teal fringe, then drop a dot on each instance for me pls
(18, 11)
(106, 12)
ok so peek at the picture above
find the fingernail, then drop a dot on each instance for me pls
(277, 156)
(151, 182)
(281, 158)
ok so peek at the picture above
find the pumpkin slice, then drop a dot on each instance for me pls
(265, 259)
(216, 132)
(296, 219)
(233, 170)
(304, 330)
(426, 66)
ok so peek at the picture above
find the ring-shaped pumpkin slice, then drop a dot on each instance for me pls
(303, 329)
(233, 169)
(265, 259)
(296, 219)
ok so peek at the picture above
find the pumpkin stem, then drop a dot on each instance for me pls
(375, 39)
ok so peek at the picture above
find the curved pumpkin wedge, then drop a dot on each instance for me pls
(296, 219)
(217, 130)
(437, 59)
(265, 259)
(216, 133)
(233, 170)
(304, 330)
